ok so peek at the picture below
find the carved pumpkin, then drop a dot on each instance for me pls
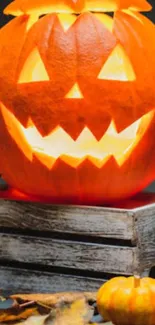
(127, 301)
(77, 98)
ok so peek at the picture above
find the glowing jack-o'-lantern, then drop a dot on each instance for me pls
(77, 98)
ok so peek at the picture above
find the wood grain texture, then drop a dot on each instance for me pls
(92, 221)
(68, 254)
(39, 248)
(144, 224)
(27, 281)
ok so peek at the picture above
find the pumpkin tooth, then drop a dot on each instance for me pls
(73, 130)
(128, 121)
(93, 123)
(98, 124)
(46, 160)
(43, 128)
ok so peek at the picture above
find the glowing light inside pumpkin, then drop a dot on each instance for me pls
(58, 143)
(31, 21)
(75, 92)
(66, 21)
(34, 69)
(100, 6)
(117, 67)
(40, 7)
(106, 20)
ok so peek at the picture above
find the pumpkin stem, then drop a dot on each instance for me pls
(136, 281)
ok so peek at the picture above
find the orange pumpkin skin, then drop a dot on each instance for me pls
(18, 7)
(74, 57)
(126, 301)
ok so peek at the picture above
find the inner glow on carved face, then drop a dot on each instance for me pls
(117, 67)
(60, 144)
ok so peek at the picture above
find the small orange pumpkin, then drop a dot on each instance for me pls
(77, 99)
(128, 301)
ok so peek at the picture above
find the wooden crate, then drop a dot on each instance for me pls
(49, 248)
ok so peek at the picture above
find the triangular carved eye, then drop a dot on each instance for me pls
(117, 67)
(33, 69)
(74, 92)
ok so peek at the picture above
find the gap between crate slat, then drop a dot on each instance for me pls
(67, 236)
(53, 252)
(26, 281)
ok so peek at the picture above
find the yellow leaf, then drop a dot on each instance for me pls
(79, 313)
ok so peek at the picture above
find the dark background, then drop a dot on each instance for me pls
(5, 19)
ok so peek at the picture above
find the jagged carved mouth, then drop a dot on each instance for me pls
(59, 144)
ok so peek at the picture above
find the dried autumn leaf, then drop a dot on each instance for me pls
(32, 320)
(79, 313)
(50, 309)
(35, 320)
(57, 298)
(16, 314)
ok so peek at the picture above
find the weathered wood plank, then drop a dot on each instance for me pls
(144, 224)
(64, 253)
(92, 221)
(26, 281)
